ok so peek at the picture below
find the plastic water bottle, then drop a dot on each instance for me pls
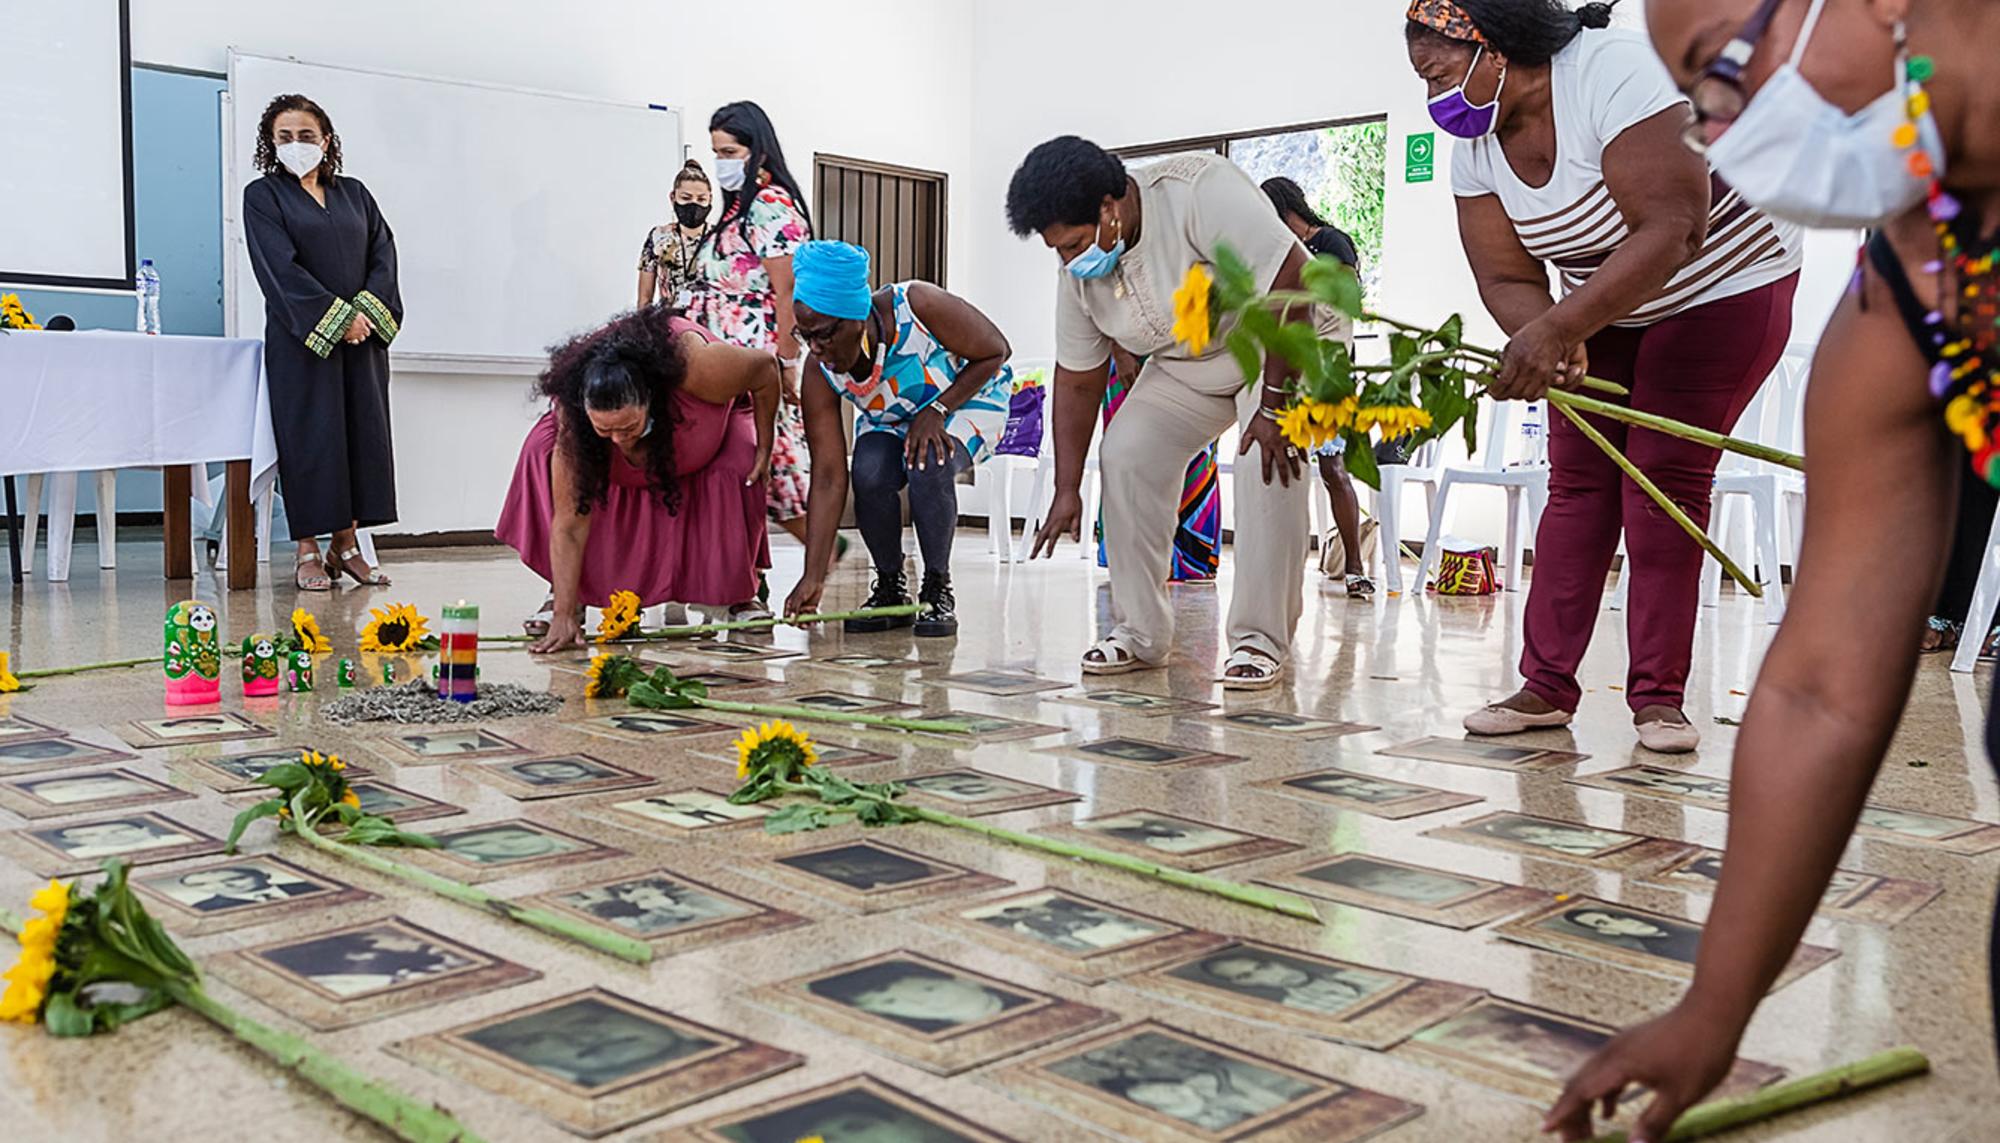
(148, 294)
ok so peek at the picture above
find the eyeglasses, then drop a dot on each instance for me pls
(1718, 95)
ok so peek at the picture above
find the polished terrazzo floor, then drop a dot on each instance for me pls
(1409, 666)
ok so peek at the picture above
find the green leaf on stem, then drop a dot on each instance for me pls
(1360, 458)
(1234, 285)
(284, 776)
(267, 808)
(797, 818)
(1243, 347)
(1333, 282)
(1452, 332)
(653, 698)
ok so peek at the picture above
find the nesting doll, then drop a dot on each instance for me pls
(192, 659)
(299, 675)
(344, 673)
(260, 666)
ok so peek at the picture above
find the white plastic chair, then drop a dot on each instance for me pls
(1985, 600)
(62, 521)
(1426, 470)
(1526, 479)
(1774, 494)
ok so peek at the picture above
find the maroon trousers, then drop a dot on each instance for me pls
(1702, 367)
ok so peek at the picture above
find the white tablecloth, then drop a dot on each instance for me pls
(81, 400)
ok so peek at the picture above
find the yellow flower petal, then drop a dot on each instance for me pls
(52, 898)
(1192, 326)
(8, 683)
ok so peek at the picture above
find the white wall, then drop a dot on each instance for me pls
(797, 59)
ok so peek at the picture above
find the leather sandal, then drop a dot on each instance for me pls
(336, 565)
(318, 580)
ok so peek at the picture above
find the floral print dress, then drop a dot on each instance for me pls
(730, 293)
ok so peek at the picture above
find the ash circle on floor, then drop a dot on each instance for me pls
(417, 701)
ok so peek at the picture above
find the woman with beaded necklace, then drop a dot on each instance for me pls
(1836, 113)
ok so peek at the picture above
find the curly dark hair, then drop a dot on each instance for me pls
(1062, 181)
(1527, 32)
(266, 158)
(633, 360)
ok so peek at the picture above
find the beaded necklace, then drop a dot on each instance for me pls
(1966, 325)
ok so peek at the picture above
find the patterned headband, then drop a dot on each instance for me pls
(1445, 17)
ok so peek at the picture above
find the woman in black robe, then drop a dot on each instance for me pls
(326, 262)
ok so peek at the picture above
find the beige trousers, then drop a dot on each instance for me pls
(1166, 419)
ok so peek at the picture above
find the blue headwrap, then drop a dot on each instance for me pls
(832, 277)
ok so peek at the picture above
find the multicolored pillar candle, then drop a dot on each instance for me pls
(458, 652)
(300, 674)
(192, 657)
(260, 666)
(344, 674)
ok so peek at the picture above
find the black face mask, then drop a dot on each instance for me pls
(691, 214)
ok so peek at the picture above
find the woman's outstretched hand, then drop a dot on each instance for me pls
(1679, 1057)
(564, 633)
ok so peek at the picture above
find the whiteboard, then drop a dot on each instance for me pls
(66, 146)
(518, 215)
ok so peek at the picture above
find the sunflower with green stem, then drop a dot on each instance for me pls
(396, 630)
(306, 634)
(620, 617)
(776, 748)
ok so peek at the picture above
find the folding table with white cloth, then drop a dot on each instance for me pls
(97, 401)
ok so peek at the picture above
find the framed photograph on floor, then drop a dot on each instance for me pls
(14, 728)
(1155, 1082)
(1141, 754)
(559, 776)
(857, 1108)
(1303, 992)
(1286, 725)
(736, 652)
(975, 793)
(1660, 782)
(1849, 896)
(1531, 1052)
(34, 755)
(650, 726)
(830, 754)
(1909, 827)
(871, 877)
(932, 1015)
(233, 773)
(673, 912)
(996, 682)
(841, 702)
(1599, 848)
(81, 847)
(397, 804)
(863, 661)
(350, 975)
(1485, 754)
(993, 728)
(428, 746)
(1637, 939)
(1367, 794)
(1435, 896)
(49, 795)
(240, 891)
(1140, 703)
(501, 849)
(1076, 935)
(689, 809)
(188, 729)
(1170, 840)
(594, 1061)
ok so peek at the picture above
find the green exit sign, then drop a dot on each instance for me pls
(1420, 157)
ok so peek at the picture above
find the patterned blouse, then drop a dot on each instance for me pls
(727, 289)
(669, 256)
(911, 370)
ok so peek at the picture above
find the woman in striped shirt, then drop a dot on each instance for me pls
(1569, 156)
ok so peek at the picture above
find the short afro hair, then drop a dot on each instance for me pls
(1062, 181)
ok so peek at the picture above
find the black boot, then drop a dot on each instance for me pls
(891, 590)
(938, 617)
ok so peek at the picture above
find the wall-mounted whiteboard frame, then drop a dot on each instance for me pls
(650, 167)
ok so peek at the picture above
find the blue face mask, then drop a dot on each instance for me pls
(1096, 261)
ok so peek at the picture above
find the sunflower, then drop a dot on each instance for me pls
(13, 315)
(1308, 424)
(593, 686)
(28, 980)
(772, 743)
(621, 616)
(398, 629)
(305, 632)
(8, 683)
(1394, 420)
(1192, 326)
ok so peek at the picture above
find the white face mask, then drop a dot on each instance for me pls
(729, 174)
(1798, 157)
(300, 158)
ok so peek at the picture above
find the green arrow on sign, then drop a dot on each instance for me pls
(1420, 157)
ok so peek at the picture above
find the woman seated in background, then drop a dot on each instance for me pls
(666, 261)
(1838, 116)
(646, 474)
(928, 374)
(1324, 239)
(326, 262)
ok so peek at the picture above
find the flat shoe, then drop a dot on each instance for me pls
(1496, 721)
(1663, 737)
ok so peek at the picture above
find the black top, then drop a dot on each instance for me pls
(307, 257)
(1333, 240)
(1915, 315)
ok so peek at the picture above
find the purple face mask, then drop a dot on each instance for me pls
(1458, 116)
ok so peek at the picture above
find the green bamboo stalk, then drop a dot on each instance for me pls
(812, 714)
(400, 1114)
(568, 928)
(51, 672)
(1274, 900)
(1679, 429)
(1792, 1095)
(689, 632)
(1672, 509)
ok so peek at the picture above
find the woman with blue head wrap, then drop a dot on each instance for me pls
(928, 376)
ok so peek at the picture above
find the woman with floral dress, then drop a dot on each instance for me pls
(740, 285)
